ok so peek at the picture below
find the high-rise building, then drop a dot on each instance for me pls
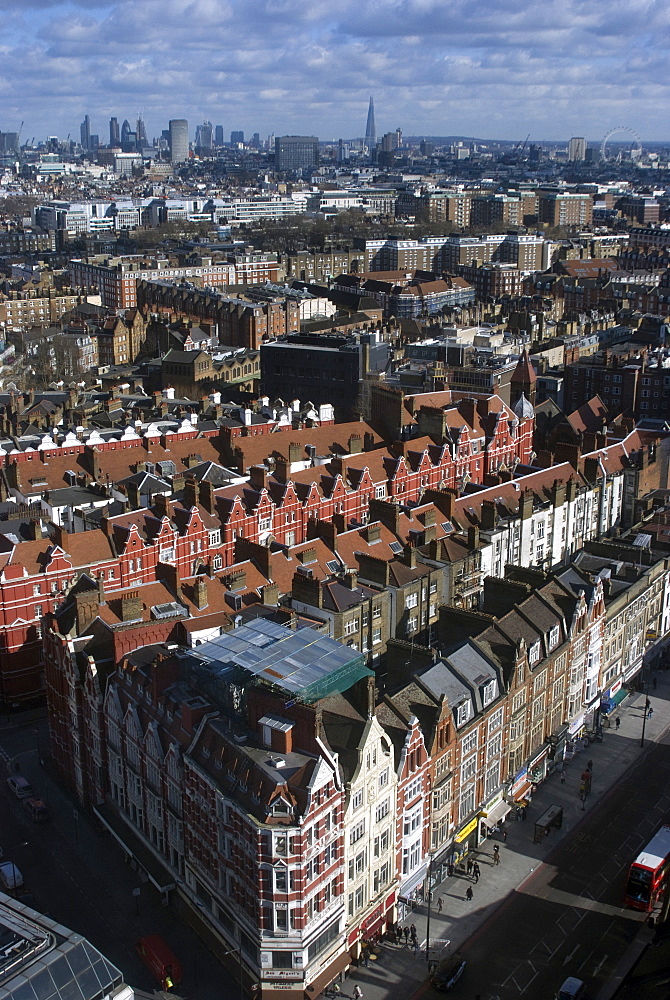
(126, 132)
(85, 132)
(218, 136)
(237, 136)
(256, 140)
(371, 128)
(203, 135)
(178, 140)
(114, 132)
(141, 133)
(296, 152)
(577, 149)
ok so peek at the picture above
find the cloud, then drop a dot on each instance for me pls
(496, 69)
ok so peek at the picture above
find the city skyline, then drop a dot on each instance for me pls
(434, 68)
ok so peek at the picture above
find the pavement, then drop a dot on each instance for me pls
(400, 973)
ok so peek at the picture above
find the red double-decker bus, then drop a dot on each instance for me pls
(649, 873)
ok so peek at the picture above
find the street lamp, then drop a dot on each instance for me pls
(429, 896)
(236, 951)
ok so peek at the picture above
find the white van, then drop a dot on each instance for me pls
(10, 876)
(19, 786)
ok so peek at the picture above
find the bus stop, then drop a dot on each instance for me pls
(551, 819)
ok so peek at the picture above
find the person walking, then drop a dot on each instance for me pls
(412, 932)
(358, 992)
(416, 947)
(405, 931)
(476, 871)
(562, 775)
(654, 683)
(617, 722)
(469, 894)
(589, 766)
(504, 835)
(439, 905)
(650, 712)
(496, 855)
(469, 867)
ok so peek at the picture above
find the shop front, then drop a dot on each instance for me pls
(330, 971)
(465, 840)
(613, 697)
(521, 787)
(373, 926)
(493, 815)
(556, 747)
(537, 765)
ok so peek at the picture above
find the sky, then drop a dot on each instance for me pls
(493, 69)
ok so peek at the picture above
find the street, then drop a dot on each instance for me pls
(567, 918)
(79, 878)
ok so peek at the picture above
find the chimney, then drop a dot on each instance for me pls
(307, 590)
(351, 579)
(373, 532)
(101, 590)
(133, 494)
(558, 493)
(296, 453)
(488, 515)
(161, 505)
(60, 535)
(281, 469)
(190, 494)
(526, 504)
(258, 477)
(200, 598)
(409, 556)
(206, 495)
(473, 537)
(355, 444)
(270, 594)
(86, 608)
(131, 607)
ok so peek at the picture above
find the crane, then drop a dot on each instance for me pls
(520, 146)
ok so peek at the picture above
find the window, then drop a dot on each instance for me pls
(357, 831)
(351, 626)
(215, 537)
(384, 777)
(413, 789)
(495, 720)
(463, 713)
(489, 692)
(376, 636)
(534, 652)
(382, 810)
(411, 601)
(357, 799)
(37, 590)
(38, 610)
(469, 742)
(554, 636)
(494, 746)
(469, 768)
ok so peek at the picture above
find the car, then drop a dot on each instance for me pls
(448, 972)
(10, 876)
(572, 989)
(36, 809)
(19, 786)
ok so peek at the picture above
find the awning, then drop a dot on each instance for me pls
(522, 790)
(283, 993)
(497, 813)
(326, 977)
(538, 755)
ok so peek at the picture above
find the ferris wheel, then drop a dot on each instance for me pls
(636, 144)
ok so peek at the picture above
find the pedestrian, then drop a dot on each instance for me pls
(405, 931)
(562, 775)
(412, 932)
(651, 712)
(518, 813)
(654, 683)
(617, 722)
(476, 871)
(504, 835)
(469, 867)
(450, 869)
(416, 948)
(358, 992)
(589, 766)
(469, 894)
(366, 958)
(496, 855)
(523, 813)
(439, 905)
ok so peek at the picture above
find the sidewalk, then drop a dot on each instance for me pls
(398, 973)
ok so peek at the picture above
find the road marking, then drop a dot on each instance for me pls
(568, 958)
(580, 904)
(600, 965)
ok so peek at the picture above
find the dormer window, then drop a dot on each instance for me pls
(489, 692)
(534, 653)
(463, 713)
(554, 636)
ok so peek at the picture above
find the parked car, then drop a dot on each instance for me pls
(36, 809)
(19, 786)
(448, 972)
(10, 876)
(572, 989)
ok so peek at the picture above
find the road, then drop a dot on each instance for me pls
(566, 919)
(80, 879)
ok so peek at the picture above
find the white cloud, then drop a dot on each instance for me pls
(440, 67)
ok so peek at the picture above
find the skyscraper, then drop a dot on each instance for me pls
(178, 140)
(203, 135)
(85, 132)
(141, 133)
(576, 149)
(114, 133)
(371, 128)
(218, 135)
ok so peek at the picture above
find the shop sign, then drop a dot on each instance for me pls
(467, 830)
(576, 725)
(367, 923)
(520, 780)
(616, 687)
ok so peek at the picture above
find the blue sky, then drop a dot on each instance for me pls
(551, 68)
